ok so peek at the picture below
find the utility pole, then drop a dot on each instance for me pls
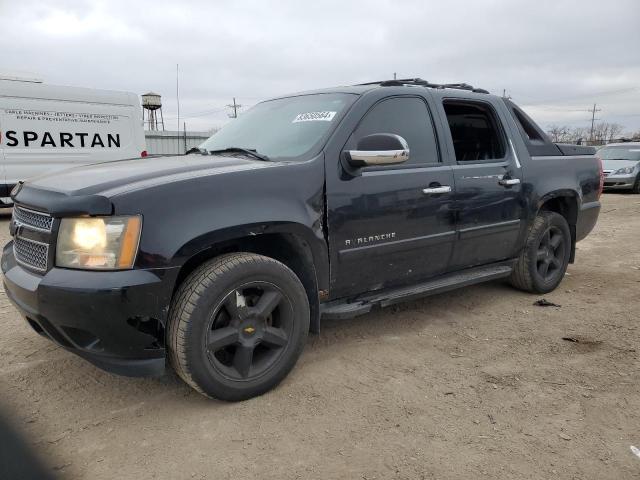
(593, 120)
(235, 106)
(394, 75)
(178, 97)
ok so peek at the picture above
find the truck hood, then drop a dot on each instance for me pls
(110, 177)
(614, 165)
(86, 189)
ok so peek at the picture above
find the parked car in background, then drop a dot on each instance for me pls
(621, 166)
(322, 204)
(44, 128)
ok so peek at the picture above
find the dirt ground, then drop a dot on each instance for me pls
(476, 383)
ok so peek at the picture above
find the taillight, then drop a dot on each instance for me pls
(143, 153)
(601, 186)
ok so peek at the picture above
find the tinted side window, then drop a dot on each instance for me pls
(405, 116)
(475, 131)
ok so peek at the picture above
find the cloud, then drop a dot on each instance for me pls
(555, 58)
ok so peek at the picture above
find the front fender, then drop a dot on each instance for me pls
(182, 218)
(313, 238)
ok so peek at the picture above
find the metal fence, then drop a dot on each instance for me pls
(172, 142)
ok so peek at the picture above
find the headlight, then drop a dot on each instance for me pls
(624, 171)
(98, 243)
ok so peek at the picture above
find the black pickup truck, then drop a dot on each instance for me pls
(322, 204)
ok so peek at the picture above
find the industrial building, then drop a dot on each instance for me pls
(166, 142)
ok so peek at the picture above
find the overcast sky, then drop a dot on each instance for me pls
(555, 58)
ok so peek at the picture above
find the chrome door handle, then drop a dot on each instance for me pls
(508, 182)
(441, 189)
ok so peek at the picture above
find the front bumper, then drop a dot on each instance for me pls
(619, 182)
(115, 320)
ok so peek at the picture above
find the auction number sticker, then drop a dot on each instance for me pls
(314, 117)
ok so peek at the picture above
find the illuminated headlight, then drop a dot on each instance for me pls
(624, 171)
(98, 243)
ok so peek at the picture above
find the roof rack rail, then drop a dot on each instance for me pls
(424, 83)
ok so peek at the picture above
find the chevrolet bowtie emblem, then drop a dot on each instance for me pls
(249, 330)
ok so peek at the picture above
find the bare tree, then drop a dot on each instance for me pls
(559, 133)
(580, 133)
(566, 134)
(603, 132)
(615, 131)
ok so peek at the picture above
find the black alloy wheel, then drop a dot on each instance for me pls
(237, 326)
(550, 254)
(249, 330)
(543, 261)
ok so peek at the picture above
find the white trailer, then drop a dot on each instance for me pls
(46, 127)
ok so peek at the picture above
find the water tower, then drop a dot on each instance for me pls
(152, 104)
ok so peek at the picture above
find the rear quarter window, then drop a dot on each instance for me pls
(536, 141)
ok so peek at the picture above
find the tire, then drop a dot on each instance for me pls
(237, 326)
(548, 242)
(636, 186)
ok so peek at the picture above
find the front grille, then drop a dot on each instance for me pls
(31, 218)
(30, 253)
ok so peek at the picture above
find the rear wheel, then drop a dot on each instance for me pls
(544, 260)
(237, 326)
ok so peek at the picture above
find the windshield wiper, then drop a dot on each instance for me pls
(246, 151)
(199, 150)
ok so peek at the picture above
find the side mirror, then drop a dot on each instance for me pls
(379, 149)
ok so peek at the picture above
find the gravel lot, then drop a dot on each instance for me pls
(476, 383)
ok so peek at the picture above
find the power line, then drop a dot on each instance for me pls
(204, 113)
(578, 97)
(201, 113)
(627, 115)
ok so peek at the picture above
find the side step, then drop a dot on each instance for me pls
(362, 304)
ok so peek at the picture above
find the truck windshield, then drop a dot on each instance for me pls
(286, 128)
(620, 153)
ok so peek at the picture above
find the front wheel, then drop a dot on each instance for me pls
(545, 257)
(636, 186)
(237, 326)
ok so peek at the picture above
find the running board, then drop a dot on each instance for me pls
(362, 304)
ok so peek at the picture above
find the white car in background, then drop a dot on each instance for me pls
(621, 166)
(47, 127)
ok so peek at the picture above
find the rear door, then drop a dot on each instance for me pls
(387, 224)
(489, 198)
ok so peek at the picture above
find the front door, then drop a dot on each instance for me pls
(391, 225)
